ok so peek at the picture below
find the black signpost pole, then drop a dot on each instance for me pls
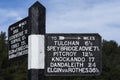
(37, 27)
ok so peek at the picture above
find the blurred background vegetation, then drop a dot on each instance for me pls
(17, 70)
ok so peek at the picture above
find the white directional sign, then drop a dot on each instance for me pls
(72, 55)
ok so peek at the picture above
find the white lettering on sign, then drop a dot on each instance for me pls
(68, 59)
(89, 38)
(72, 70)
(15, 31)
(18, 39)
(64, 43)
(64, 54)
(73, 54)
(16, 36)
(73, 48)
(70, 64)
(18, 54)
(21, 48)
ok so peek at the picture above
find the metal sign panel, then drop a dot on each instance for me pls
(73, 55)
(18, 32)
(18, 39)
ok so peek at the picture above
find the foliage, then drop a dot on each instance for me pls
(17, 70)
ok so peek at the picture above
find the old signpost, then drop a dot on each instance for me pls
(54, 54)
(73, 55)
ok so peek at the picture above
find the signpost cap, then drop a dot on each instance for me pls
(38, 4)
(37, 13)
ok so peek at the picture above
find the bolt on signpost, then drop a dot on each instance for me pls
(53, 54)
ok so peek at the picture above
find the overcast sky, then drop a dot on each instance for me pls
(69, 16)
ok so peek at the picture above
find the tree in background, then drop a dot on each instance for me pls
(3, 47)
(111, 60)
(3, 54)
(10, 70)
